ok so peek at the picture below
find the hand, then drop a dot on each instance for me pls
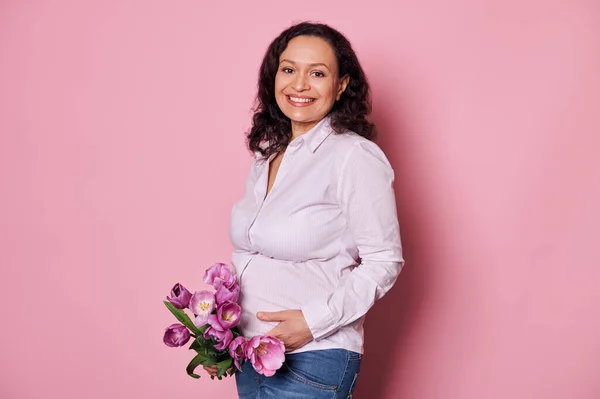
(212, 370)
(292, 328)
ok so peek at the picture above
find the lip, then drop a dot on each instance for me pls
(299, 105)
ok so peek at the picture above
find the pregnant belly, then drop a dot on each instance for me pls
(271, 285)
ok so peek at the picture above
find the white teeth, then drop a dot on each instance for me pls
(301, 100)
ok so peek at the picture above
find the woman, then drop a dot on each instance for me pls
(316, 234)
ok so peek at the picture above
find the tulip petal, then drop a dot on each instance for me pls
(176, 335)
(201, 320)
(271, 361)
(180, 296)
(202, 302)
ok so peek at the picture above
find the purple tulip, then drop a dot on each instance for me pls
(237, 350)
(266, 354)
(225, 294)
(228, 316)
(202, 304)
(176, 335)
(225, 341)
(222, 337)
(180, 296)
(220, 274)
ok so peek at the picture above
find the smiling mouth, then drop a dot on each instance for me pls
(300, 100)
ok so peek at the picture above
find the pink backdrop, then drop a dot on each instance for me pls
(122, 152)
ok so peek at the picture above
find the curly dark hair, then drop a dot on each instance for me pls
(349, 113)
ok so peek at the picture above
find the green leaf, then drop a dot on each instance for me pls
(183, 318)
(210, 361)
(222, 367)
(209, 350)
(196, 346)
(196, 361)
(201, 345)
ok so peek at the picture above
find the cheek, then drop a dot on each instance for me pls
(327, 92)
(281, 81)
(279, 97)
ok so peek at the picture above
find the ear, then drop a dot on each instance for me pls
(342, 86)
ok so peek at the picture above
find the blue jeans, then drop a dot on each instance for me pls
(319, 374)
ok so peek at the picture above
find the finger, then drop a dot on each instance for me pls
(274, 332)
(290, 348)
(272, 316)
(211, 370)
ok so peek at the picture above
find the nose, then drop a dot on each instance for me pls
(301, 82)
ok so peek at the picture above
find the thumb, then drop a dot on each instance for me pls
(271, 316)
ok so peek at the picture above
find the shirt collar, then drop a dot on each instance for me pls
(313, 138)
(316, 135)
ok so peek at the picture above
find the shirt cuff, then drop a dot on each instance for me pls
(319, 318)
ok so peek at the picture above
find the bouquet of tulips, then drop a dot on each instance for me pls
(216, 338)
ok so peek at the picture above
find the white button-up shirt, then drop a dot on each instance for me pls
(324, 240)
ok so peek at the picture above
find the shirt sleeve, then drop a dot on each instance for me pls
(366, 196)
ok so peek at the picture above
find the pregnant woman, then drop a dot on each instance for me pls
(316, 234)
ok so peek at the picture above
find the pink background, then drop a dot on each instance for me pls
(122, 152)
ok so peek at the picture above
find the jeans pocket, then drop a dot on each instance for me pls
(311, 381)
(321, 369)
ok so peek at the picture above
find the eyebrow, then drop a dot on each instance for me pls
(311, 65)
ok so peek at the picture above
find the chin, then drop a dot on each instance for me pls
(302, 117)
(299, 119)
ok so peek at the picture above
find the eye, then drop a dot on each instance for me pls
(287, 70)
(318, 74)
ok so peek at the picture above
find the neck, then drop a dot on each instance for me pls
(299, 128)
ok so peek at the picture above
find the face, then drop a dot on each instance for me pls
(307, 83)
